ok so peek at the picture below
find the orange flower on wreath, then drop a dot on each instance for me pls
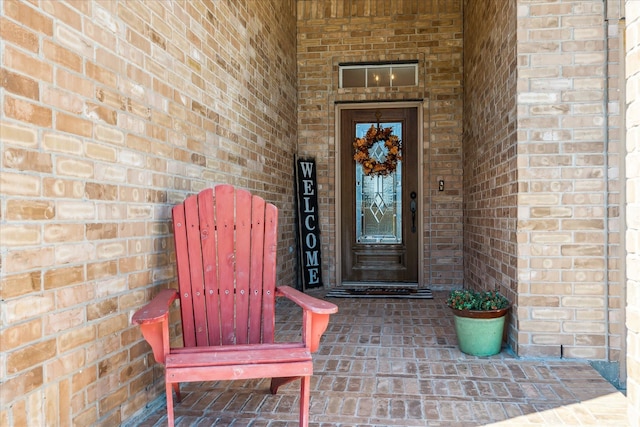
(371, 166)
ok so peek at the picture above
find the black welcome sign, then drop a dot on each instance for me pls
(308, 223)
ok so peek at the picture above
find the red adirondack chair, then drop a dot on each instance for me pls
(225, 241)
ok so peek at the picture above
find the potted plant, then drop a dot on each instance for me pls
(479, 319)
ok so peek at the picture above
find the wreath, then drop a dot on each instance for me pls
(370, 165)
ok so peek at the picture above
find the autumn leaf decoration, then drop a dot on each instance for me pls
(370, 165)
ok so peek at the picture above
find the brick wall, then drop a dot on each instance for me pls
(430, 31)
(490, 163)
(570, 291)
(632, 67)
(111, 112)
(542, 191)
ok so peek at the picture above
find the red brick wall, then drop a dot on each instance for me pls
(111, 112)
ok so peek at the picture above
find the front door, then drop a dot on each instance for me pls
(379, 212)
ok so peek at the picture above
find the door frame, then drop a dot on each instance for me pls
(418, 105)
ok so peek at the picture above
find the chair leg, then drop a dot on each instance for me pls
(278, 382)
(305, 383)
(169, 391)
(176, 390)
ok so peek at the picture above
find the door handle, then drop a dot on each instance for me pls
(413, 207)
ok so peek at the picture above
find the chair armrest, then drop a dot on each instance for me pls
(157, 309)
(307, 302)
(315, 318)
(153, 319)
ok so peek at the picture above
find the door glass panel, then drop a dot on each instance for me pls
(378, 198)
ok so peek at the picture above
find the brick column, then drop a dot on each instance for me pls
(632, 67)
(569, 289)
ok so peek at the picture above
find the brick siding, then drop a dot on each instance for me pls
(111, 113)
(429, 31)
(632, 74)
(570, 287)
(541, 204)
(490, 148)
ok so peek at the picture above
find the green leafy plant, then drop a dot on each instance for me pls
(467, 299)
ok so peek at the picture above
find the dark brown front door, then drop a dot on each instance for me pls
(379, 213)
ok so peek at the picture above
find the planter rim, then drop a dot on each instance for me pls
(481, 314)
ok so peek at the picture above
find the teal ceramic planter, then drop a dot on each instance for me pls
(480, 332)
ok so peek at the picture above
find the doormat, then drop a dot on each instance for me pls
(378, 292)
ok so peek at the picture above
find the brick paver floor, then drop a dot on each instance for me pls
(394, 362)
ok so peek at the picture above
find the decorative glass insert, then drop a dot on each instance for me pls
(378, 198)
(378, 75)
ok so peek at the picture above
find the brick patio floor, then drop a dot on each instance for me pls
(394, 362)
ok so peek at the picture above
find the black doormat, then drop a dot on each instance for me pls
(379, 292)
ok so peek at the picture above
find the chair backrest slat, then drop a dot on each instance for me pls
(269, 273)
(243, 264)
(225, 243)
(225, 211)
(194, 249)
(255, 280)
(208, 240)
(184, 276)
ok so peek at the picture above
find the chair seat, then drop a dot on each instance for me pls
(228, 363)
(250, 354)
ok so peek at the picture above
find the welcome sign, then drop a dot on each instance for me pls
(308, 224)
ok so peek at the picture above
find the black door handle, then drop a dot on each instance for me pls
(413, 208)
